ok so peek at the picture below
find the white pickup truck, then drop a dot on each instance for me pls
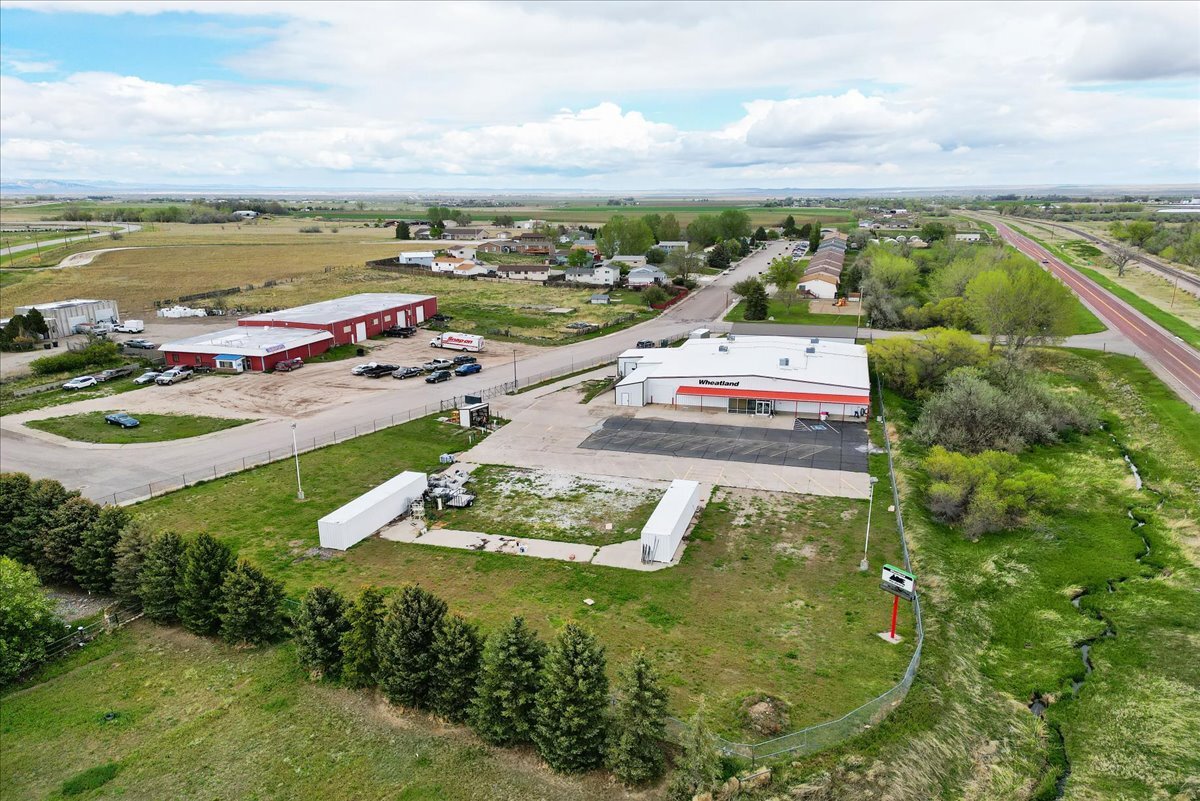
(130, 327)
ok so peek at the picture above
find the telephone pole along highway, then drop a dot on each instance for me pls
(1174, 358)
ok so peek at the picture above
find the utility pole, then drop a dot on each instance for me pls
(296, 456)
(514, 369)
(863, 565)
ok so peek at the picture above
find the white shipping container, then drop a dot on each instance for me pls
(368, 513)
(667, 524)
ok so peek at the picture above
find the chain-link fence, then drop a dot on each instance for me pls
(112, 617)
(825, 735)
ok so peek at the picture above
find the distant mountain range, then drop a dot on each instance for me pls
(84, 188)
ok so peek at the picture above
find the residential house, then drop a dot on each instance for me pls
(462, 251)
(524, 272)
(503, 246)
(819, 284)
(645, 276)
(600, 275)
(668, 246)
(448, 264)
(632, 261)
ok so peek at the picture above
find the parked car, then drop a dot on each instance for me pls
(464, 359)
(144, 344)
(288, 365)
(121, 419)
(437, 364)
(380, 370)
(115, 372)
(147, 377)
(441, 318)
(437, 376)
(82, 382)
(645, 343)
(173, 376)
(407, 372)
(362, 368)
(399, 331)
(468, 369)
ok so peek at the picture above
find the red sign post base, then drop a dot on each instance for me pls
(890, 636)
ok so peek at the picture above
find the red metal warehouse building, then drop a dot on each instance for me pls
(354, 317)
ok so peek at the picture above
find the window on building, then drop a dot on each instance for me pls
(175, 358)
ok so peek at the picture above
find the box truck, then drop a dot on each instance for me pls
(452, 341)
(131, 327)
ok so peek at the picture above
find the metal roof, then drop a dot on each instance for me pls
(249, 340)
(329, 312)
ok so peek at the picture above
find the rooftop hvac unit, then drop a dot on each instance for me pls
(810, 349)
(731, 337)
(784, 361)
(723, 349)
(814, 340)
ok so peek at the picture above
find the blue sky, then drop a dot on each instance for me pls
(603, 95)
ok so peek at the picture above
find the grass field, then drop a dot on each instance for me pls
(767, 598)
(91, 427)
(1001, 626)
(194, 719)
(10, 404)
(797, 315)
(530, 503)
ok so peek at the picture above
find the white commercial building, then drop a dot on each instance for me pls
(370, 512)
(821, 285)
(63, 315)
(762, 375)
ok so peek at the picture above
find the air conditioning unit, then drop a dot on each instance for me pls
(784, 362)
(814, 340)
(723, 349)
(810, 349)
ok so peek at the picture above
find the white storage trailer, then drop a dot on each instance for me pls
(368, 513)
(667, 524)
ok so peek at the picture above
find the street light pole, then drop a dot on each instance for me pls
(296, 456)
(863, 565)
(514, 368)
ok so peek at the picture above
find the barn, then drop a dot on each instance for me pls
(261, 347)
(352, 318)
(755, 375)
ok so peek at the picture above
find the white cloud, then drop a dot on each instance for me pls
(514, 94)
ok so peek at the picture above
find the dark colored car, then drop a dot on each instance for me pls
(288, 365)
(441, 318)
(438, 377)
(468, 369)
(407, 372)
(121, 419)
(645, 343)
(464, 359)
(380, 370)
(399, 331)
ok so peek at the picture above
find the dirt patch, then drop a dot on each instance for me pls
(72, 605)
(765, 715)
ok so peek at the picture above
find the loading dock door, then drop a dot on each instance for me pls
(360, 332)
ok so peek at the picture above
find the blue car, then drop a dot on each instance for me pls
(121, 419)
(468, 369)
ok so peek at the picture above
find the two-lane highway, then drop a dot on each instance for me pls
(1174, 357)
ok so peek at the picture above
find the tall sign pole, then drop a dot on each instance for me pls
(901, 584)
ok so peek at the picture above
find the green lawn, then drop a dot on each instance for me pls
(767, 598)
(194, 719)
(336, 354)
(528, 503)
(9, 404)
(797, 314)
(1001, 626)
(91, 427)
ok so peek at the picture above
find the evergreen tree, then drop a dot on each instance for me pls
(201, 581)
(406, 656)
(699, 768)
(805, 231)
(635, 754)
(130, 555)
(814, 238)
(503, 711)
(572, 703)
(360, 643)
(96, 556)
(250, 606)
(760, 234)
(159, 578)
(35, 323)
(402, 230)
(62, 537)
(457, 648)
(789, 226)
(320, 625)
(756, 302)
(16, 499)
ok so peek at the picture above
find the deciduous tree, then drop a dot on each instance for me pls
(28, 623)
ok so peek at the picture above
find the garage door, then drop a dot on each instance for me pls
(420, 314)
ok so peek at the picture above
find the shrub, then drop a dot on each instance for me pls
(28, 623)
(699, 767)
(914, 367)
(986, 492)
(100, 353)
(310, 229)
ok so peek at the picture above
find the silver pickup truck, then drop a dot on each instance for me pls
(174, 376)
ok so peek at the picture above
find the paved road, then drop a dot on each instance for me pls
(121, 228)
(1179, 363)
(99, 471)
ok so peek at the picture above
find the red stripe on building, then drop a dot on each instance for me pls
(765, 394)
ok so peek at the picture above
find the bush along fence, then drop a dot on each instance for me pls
(830, 733)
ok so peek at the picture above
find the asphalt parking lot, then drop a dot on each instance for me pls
(827, 446)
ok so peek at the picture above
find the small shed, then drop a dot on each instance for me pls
(600, 299)
(667, 524)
